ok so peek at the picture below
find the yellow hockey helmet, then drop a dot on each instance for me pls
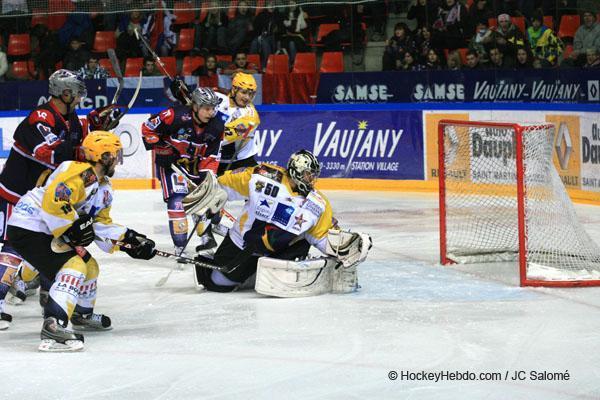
(243, 81)
(97, 143)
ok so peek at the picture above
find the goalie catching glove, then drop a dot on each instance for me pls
(207, 196)
(350, 248)
(138, 245)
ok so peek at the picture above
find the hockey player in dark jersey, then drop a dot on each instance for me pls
(51, 133)
(189, 137)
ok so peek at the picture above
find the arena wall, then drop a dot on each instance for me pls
(384, 147)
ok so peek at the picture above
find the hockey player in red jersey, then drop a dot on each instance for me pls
(51, 133)
(189, 137)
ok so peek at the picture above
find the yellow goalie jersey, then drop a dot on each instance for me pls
(71, 191)
(274, 215)
(240, 127)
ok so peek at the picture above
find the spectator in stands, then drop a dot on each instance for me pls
(78, 25)
(498, 60)
(480, 11)
(3, 64)
(128, 45)
(473, 61)
(558, 8)
(433, 62)
(168, 38)
(481, 41)
(545, 45)
(238, 28)
(423, 42)
(524, 58)
(149, 68)
(586, 37)
(350, 31)
(507, 37)
(76, 56)
(209, 68)
(213, 30)
(240, 64)
(49, 51)
(453, 61)
(92, 69)
(13, 19)
(424, 11)
(410, 63)
(135, 17)
(592, 59)
(268, 27)
(397, 45)
(296, 31)
(451, 25)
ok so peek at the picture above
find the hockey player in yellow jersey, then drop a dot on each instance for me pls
(283, 215)
(50, 227)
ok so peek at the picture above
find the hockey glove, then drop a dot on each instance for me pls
(139, 245)
(104, 118)
(180, 91)
(164, 156)
(81, 232)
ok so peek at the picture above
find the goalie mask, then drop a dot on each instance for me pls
(304, 169)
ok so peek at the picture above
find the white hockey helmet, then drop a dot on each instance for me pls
(64, 79)
(304, 169)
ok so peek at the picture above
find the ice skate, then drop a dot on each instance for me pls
(90, 322)
(208, 243)
(17, 293)
(57, 338)
(5, 320)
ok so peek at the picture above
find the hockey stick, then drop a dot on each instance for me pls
(117, 68)
(115, 121)
(166, 254)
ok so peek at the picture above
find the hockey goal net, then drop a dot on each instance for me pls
(502, 200)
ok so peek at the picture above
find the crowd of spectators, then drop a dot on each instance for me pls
(449, 34)
(452, 35)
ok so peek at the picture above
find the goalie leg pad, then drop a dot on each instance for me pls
(287, 278)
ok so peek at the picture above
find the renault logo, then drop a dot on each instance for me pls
(564, 136)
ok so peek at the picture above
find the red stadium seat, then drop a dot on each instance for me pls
(549, 21)
(56, 21)
(104, 40)
(568, 26)
(278, 64)
(186, 39)
(225, 58)
(305, 63)
(19, 44)
(325, 29)
(107, 65)
(254, 59)
(568, 51)
(463, 54)
(23, 69)
(39, 17)
(184, 13)
(170, 65)
(190, 64)
(133, 66)
(332, 61)
(260, 5)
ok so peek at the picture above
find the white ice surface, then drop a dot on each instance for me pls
(175, 342)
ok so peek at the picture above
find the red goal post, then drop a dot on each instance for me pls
(502, 200)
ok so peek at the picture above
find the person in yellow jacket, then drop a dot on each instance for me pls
(52, 224)
(283, 215)
(545, 45)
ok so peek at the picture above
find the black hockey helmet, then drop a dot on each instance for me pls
(304, 169)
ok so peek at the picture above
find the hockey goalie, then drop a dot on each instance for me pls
(283, 215)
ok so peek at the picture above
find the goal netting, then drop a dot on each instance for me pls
(501, 199)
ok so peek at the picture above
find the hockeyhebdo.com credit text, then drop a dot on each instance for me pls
(508, 375)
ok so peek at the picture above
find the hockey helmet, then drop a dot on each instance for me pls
(204, 96)
(243, 81)
(304, 169)
(64, 79)
(100, 145)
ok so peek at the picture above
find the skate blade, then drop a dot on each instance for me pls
(52, 346)
(85, 328)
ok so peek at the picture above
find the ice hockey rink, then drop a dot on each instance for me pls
(411, 316)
